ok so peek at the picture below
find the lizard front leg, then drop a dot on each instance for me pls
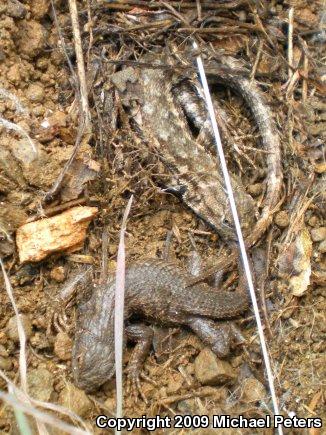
(143, 336)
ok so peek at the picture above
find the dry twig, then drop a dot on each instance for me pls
(80, 64)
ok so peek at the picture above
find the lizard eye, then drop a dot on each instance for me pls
(226, 223)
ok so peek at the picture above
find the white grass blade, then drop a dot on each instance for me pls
(119, 310)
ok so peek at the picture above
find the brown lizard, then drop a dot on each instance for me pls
(152, 95)
(158, 291)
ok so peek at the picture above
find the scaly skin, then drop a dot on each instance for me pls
(159, 100)
(148, 93)
(158, 291)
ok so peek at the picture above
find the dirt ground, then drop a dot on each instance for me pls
(39, 105)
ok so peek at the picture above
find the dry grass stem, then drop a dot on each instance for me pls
(80, 64)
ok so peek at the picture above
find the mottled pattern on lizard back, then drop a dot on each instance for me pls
(165, 127)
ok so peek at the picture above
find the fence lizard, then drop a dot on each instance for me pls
(195, 175)
(156, 106)
(157, 290)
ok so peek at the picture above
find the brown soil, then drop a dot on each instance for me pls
(33, 68)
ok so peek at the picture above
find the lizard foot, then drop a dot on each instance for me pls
(134, 388)
(143, 335)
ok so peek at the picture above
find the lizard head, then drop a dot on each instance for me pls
(93, 349)
(210, 202)
(92, 362)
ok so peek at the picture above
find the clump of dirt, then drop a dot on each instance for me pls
(39, 126)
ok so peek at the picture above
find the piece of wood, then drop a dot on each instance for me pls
(65, 232)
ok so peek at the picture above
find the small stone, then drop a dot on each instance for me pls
(282, 219)
(320, 168)
(286, 385)
(111, 404)
(57, 119)
(313, 221)
(40, 341)
(12, 329)
(255, 189)
(35, 93)
(40, 383)
(13, 74)
(22, 151)
(42, 63)
(5, 363)
(62, 346)
(175, 383)
(33, 38)
(3, 351)
(58, 274)
(253, 390)
(38, 110)
(242, 15)
(318, 234)
(15, 9)
(39, 8)
(210, 370)
(76, 400)
(322, 247)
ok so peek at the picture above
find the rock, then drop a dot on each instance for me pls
(35, 93)
(5, 363)
(322, 247)
(313, 221)
(62, 346)
(39, 8)
(76, 400)
(300, 262)
(36, 166)
(13, 74)
(111, 404)
(22, 150)
(11, 217)
(33, 38)
(65, 232)
(40, 341)
(253, 391)
(56, 120)
(255, 189)
(318, 234)
(281, 219)
(58, 274)
(175, 383)
(320, 168)
(15, 9)
(12, 329)
(3, 351)
(209, 370)
(40, 383)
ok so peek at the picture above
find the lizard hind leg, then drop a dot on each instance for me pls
(143, 336)
(217, 336)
